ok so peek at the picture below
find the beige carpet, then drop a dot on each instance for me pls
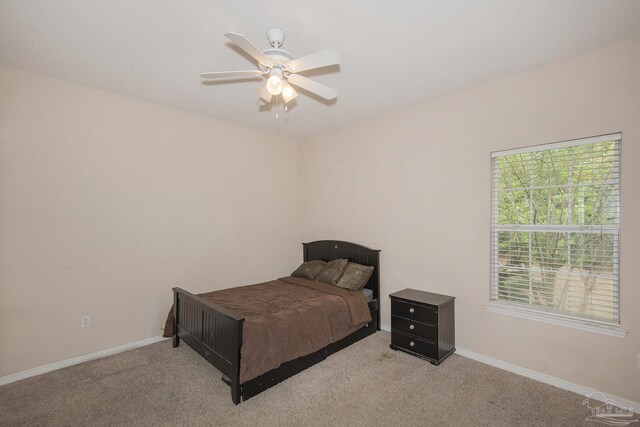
(367, 384)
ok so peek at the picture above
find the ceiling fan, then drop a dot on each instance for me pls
(280, 68)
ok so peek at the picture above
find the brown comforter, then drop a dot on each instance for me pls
(288, 318)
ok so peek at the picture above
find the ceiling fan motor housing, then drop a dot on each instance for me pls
(278, 57)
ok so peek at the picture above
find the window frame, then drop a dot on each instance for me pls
(539, 313)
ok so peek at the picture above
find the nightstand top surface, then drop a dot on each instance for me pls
(422, 297)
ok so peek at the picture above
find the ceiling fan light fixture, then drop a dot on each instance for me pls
(275, 84)
(280, 68)
(288, 93)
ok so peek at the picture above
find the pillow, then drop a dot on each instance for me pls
(355, 276)
(310, 269)
(332, 271)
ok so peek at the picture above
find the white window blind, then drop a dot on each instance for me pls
(555, 228)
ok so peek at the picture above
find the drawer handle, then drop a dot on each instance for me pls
(412, 343)
(411, 310)
(412, 327)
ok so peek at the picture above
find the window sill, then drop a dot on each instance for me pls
(554, 319)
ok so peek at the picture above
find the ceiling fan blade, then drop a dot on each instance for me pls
(231, 74)
(324, 58)
(312, 86)
(264, 93)
(244, 44)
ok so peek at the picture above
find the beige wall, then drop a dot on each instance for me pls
(416, 184)
(107, 202)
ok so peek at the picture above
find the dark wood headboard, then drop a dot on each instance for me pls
(328, 250)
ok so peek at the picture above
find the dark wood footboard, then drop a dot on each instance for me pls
(212, 331)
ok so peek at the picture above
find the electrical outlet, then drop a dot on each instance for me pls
(85, 321)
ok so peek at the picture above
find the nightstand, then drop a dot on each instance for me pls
(423, 324)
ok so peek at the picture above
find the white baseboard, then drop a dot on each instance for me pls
(79, 359)
(538, 376)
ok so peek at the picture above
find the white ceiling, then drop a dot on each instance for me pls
(393, 53)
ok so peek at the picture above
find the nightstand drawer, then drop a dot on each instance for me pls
(410, 311)
(415, 345)
(422, 330)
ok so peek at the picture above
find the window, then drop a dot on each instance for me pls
(555, 226)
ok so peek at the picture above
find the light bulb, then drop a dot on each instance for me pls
(288, 93)
(274, 85)
(264, 94)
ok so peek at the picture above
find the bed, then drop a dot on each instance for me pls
(217, 333)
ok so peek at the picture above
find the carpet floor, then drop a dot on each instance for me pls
(367, 384)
